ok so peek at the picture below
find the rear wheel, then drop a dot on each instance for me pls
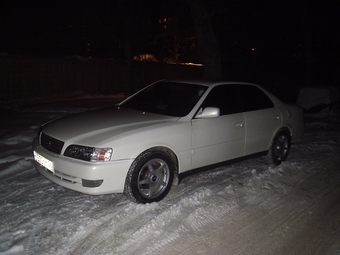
(279, 149)
(149, 178)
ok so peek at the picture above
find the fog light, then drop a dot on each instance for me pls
(92, 184)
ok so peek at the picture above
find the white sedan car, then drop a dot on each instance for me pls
(142, 145)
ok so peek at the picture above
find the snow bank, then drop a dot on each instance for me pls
(319, 102)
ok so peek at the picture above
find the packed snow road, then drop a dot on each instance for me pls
(244, 207)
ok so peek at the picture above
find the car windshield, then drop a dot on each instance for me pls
(168, 98)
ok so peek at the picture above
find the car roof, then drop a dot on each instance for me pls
(209, 82)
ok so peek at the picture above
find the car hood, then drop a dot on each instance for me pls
(92, 127)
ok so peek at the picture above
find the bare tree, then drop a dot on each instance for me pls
(208, 48)
(308, 43)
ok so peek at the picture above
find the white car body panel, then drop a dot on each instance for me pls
(113, 172)
(195, 142)
(99, 126)
(178, 139)
(217, 139)
(260, 126)
(291, 118)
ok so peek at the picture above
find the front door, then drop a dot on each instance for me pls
(221, 138)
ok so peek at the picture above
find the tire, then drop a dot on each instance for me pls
(149, 178)
(279, 149)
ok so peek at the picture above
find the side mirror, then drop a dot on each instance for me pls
(208, 112)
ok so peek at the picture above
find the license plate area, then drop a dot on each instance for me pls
(48, 164)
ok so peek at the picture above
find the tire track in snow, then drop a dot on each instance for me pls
(257, 237)
(32, 199)
(179, 219)
(324, 218)
(84, 210)
(190, 219)
(171, 219)
(113, 228)
(166, 217)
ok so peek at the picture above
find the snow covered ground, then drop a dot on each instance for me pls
(244, 207)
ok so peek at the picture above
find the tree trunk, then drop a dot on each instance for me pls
(128, 62)
(208, 48)
(309, 61)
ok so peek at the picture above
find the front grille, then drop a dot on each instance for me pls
(51, 144)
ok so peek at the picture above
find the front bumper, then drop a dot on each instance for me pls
(74, 174)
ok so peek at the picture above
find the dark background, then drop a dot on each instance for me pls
(284, 40)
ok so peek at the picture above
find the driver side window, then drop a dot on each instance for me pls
(225, 97)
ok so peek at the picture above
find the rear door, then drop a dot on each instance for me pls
(262, 119)
(222, 138)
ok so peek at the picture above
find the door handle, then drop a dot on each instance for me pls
(239, 125)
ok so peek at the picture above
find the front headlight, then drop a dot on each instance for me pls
(88, 153)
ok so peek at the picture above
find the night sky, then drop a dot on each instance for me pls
(100, 28)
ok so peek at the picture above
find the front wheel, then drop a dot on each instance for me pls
(149, 178)
(279, 149)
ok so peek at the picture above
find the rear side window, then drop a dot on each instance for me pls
(254, 98)
(225, 97)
